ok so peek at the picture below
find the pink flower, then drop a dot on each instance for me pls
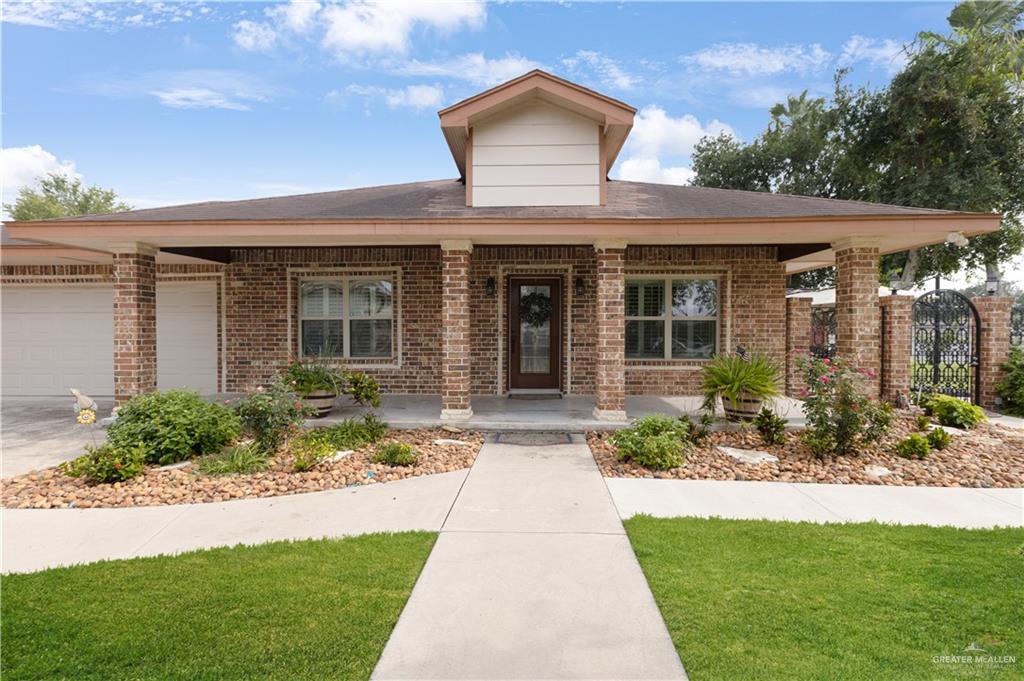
(824, 379)
(826, 361)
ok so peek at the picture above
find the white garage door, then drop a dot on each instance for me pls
(61, 336)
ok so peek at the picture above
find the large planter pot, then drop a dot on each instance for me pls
(746, 408)
(322, 401)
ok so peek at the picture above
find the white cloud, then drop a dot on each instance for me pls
(298, 16)
(414, 96)
(657, 135)
(99, 14)
(885, 53)
(22, 166)
(361, 27)
(608, 70)
(753, 59)
(187, 89)
(254, 37)
(759, 96)
(197, 98)
(474, 68)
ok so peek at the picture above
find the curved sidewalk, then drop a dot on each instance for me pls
(36, 539)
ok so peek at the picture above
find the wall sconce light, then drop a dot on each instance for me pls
(490, 286)
(992, 284)
(578, 286)
(894, 283)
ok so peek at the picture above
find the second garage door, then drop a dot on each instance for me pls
(56, 337)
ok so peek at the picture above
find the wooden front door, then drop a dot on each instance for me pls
(535, 333)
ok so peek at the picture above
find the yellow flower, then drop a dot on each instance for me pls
(86, 416)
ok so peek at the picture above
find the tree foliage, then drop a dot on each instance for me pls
(947, 132)
(58, 196)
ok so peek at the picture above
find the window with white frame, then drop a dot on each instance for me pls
(671, 318)
(351, 317)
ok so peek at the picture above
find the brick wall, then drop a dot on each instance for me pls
(610, 392)
(134, 276)
(897, 349)
(455, 331)
(858, 315)
(798, 343)
(994, 314)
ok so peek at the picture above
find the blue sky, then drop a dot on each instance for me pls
(186, 101)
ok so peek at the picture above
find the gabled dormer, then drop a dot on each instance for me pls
(537, 140)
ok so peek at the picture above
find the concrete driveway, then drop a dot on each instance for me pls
(37, 432)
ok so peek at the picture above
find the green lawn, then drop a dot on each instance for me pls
(765, 600)
(288, 610)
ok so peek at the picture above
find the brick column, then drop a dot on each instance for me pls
(858, 315)
(455, 329)
(897, 349)
(798, 342)
(611, 330)
(134, 321)
(994, 313)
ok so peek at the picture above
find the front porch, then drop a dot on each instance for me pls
(571, 413)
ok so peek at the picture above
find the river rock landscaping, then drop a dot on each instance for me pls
(986, 456)
(183, 484)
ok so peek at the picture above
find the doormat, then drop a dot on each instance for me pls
(533, 439)
(535, 396)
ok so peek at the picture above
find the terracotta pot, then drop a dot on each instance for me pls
(746, 408)
(322, 401)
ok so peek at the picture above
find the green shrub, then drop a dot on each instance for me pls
(305, 376)
(733, 376)
(771, 426)
(938, 438)
(353, 434)
(107, 463)
(247, 458)
(699, 431)
(173, 425)
(395, 454)
(658, 442)
(270, 414)
(954, 412)
(309, 449)
(1011, 388)
(363, 388)
(840, 414)
(913, 447)
(922, 422)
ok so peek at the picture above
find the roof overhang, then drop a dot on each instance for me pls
(615, 117)
(807, 240)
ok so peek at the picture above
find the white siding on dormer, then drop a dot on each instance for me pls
(536, 154)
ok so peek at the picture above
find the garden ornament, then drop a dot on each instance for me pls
(83, 401)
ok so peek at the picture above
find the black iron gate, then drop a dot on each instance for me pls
(946, 343)
(1017, 325)
(823, 331)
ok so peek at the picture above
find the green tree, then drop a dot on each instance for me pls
(947, 132)
(57, 196)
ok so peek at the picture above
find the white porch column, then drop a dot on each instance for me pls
(455, 329)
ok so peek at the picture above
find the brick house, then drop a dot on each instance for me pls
(530, 272)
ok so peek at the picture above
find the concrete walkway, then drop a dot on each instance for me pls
(38, 539)
(954, 506)
(532, 577)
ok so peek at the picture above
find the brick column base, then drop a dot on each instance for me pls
(455, 330)
(611, 330)
(994, 314)
(134, 323)
(858, 315)
(897, 350)
(798, 343)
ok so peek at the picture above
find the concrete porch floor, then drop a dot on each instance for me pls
(571, 413)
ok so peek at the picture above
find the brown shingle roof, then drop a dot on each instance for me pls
(446, 199)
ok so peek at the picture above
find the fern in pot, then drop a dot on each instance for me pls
(316, 382)
(743, 381)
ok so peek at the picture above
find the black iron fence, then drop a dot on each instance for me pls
(823, 332)
(1017, 325)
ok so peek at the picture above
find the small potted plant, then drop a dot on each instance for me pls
(316, 382)
(743, 381)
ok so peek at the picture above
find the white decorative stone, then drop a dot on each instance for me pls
(451, 429)
(877, 471)
(175, 466)
(949, 429)
(444, 441)
(751, 456)
(341, 454)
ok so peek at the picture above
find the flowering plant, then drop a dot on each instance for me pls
(272, 414)
(840, 413)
